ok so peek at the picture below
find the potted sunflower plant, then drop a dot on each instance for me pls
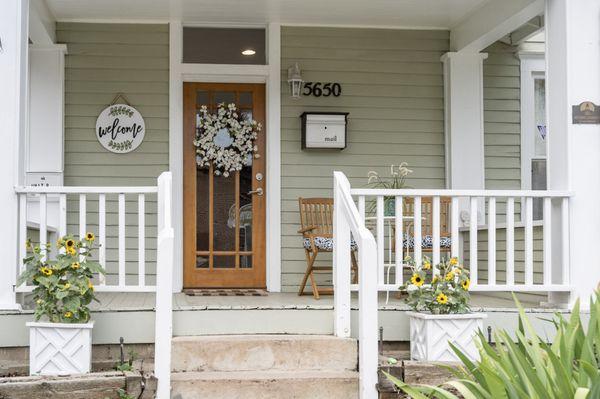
(438, 296)
(60, 338)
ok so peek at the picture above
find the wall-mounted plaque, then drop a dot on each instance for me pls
(120, 128)
(586, 113)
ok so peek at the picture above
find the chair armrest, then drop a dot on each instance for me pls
(307, 229)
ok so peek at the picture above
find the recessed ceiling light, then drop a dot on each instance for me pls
(248, 51)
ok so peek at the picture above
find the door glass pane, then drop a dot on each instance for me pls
(246, 210)
(540, 118)
(201, 98)
(202, 207)
(224, 208)
(226, 97)
(245, 99)
(224, 261)
(538, 182)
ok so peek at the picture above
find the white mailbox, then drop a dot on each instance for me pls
(324, 129)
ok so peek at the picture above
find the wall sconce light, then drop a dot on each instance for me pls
(295, 81)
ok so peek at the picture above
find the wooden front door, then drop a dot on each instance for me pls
(223, 217)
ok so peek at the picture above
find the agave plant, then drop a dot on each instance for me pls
(525, 366)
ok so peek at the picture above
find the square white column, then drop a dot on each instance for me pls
(13, 104)
(573, 76)
(463, 114)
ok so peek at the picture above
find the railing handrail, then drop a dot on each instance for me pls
(347, 220)
(86, 190)
(412, 192)
(164, 288)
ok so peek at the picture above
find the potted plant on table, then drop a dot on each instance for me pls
(61, 342)
(439, 298)
(397, 180)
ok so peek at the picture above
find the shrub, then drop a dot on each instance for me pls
(526, 366)
(63, 286)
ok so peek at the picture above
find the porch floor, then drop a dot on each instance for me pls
(111, 301)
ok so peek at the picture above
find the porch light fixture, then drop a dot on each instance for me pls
(295, 81)
(248, 51)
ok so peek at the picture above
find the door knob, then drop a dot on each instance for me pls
(258, 191)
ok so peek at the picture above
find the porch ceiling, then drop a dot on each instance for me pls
(384, 13)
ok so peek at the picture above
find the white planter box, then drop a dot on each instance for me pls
(60, 348)
(430, 334)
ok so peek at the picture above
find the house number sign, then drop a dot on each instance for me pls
(120, 128)
(320, 89)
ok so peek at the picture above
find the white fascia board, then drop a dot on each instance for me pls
(491, 22)
(41, 24)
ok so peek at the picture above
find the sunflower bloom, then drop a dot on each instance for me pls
(60, 242)
(90, 237)
(71, 250)
(456, 271)
(416, 280)
(453, 261)
(426, 265)
(46, 270)
(70, 243)
(442, 299)
(67, 286)
(68, 315)
(465, 284)
(75, 265)
(90, 285)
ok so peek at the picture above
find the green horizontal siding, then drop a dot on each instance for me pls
(392, 86)
(103, 60)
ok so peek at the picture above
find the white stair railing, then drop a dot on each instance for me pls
(164, 288)
(347, 223)
(350, 222)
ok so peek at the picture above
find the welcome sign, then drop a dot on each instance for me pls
(120, 128)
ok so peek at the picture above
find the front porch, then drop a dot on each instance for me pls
(131, 316)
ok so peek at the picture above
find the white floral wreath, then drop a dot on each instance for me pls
(225, 140)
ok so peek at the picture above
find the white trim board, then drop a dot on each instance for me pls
(532, 64)
(270, 75)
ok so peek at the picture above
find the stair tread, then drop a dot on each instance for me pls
(263, 375)
(260, 337)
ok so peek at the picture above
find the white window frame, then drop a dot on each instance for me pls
(270, 75)
(533, 65)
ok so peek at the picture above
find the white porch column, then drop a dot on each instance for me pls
(572, 68)
(13, 103)
(463, 114)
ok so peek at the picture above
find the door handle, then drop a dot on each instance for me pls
(258, 191)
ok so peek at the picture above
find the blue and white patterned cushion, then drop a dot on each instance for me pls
(426, 241)
(326, 244)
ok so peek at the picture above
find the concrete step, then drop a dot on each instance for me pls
(263, 352)
(312, 384)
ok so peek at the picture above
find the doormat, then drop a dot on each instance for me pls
(224, 292)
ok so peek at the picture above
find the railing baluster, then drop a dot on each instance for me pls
(43, 223)
(141, 240)
(380, 240)
(417, 236)
(22, 231)
(121, 240)
(528, 241)
(565, 256)
(435, 229)
(399, 240)
(492, 241)
(454, 226)
(102, 235)
(547, 231)
(473, 240)
(510, 241)
(82, 216)
(361, 207)
(62, 215)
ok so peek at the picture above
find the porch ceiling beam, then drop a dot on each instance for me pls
(41, 24)
(525, 32)
(491, 22)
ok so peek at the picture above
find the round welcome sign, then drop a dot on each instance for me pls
(120, 128)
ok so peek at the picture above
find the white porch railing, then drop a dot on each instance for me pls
(552, 276)
(44, 210)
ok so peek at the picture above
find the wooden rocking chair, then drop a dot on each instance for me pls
(316, 222)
